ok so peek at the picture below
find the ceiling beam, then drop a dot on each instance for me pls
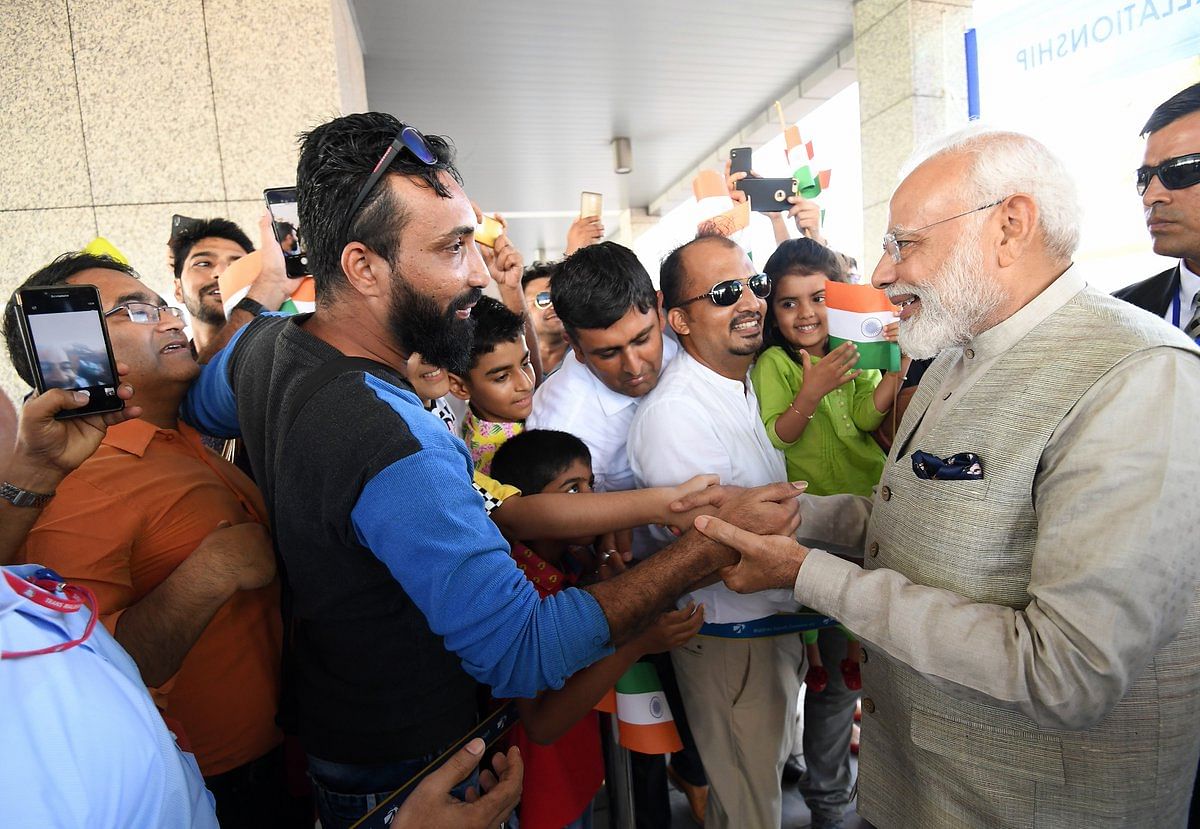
(833, 75)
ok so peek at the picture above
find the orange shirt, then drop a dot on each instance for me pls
(121, 524)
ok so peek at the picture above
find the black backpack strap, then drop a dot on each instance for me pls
(323, 375)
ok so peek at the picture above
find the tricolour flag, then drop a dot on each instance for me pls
(236, 280)
(859, 313)
(644, 719)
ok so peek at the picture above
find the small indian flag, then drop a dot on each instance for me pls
(859, 313)
(236, 280)
(643, 717)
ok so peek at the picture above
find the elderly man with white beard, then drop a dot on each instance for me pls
(1027, 597)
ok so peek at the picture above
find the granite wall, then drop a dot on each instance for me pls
(119, 113)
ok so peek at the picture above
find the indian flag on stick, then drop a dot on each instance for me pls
(644, 719)
(859, 313)
(235, 283)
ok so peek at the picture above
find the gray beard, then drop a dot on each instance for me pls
(952, 313)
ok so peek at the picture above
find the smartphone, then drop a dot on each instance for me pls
(488, 231)
(768, 195)
(590, 204)
(66, 343)
(739, 160)
(285, 216)
(181, 225)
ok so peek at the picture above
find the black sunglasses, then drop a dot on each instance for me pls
(726, 293)
(542, 299)
(1174, 173)
(409, 138)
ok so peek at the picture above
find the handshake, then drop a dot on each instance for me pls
(756, 525)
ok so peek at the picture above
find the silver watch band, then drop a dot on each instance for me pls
(22, 497)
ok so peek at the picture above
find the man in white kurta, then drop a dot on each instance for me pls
(739, 693)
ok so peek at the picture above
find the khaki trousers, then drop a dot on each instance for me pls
(740, 696)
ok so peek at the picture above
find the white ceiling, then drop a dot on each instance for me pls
(532, 92)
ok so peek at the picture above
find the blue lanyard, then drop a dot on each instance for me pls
(1175, 309)
(778, 625)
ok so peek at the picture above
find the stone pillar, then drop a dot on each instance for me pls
(119, 113)
(912, 88)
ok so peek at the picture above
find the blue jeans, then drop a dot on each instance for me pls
(344, 792)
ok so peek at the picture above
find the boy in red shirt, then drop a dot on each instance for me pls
(559, 733)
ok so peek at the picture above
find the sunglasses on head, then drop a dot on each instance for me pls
(409, 138)
(726, 293)
(542, 299)
(1174, 173)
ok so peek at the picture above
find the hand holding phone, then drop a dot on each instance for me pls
(285, 216)
(488, 230)
(67, 346)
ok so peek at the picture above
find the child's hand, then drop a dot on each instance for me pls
(834, 371)
(891, 332)
(672, 629)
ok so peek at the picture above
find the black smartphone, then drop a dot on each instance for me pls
(285, 216)
(768, 195)
(182, 224)
(739, 160)
(66, 343)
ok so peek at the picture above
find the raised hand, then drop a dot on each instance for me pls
(832, 372)
(584, 231)
(807, 216)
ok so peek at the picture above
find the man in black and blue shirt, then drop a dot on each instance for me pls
(399, 592)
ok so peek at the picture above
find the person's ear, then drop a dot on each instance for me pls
(178, 289)
(1019, 226)
(576, 348)
(679, 321)
(365, 271)
(458, 386)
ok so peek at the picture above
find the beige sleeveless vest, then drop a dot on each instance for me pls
(940, 761)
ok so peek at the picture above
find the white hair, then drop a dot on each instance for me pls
(1004, 163)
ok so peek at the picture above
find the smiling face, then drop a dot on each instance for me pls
(724, 338)
(1173, 216)
(500, 385)
(798, 308)
(158, 355)
(943, 284)
(545, 320)
(197, 287)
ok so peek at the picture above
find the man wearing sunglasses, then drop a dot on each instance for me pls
(1028, 594)
(739, 689)
(400, 593)
(552, 340)
(1169, 184)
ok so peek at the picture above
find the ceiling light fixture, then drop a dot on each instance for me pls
(622, 155)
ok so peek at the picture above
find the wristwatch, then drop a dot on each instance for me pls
(250, 306)
(22, 497)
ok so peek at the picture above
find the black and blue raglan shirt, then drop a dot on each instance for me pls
(399, 591)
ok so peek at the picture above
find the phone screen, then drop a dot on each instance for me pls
(590, 204)
(285, 216)
(67, 344)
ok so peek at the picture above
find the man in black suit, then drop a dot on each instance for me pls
(1169, 183)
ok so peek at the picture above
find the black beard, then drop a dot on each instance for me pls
(441, 337)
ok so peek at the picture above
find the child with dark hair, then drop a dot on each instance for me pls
(559, 733)
(498, 381)
(817, 409)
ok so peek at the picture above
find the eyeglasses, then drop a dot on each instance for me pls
(892, 244)
(409, 138)
(726, 293)
(542, 300)
(1174, 173)
(145, 313)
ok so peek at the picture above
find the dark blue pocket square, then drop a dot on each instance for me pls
(965, 466)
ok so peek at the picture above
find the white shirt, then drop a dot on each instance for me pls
(83, 744)
(574, 400)
(695, 422)
(1189, 286)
